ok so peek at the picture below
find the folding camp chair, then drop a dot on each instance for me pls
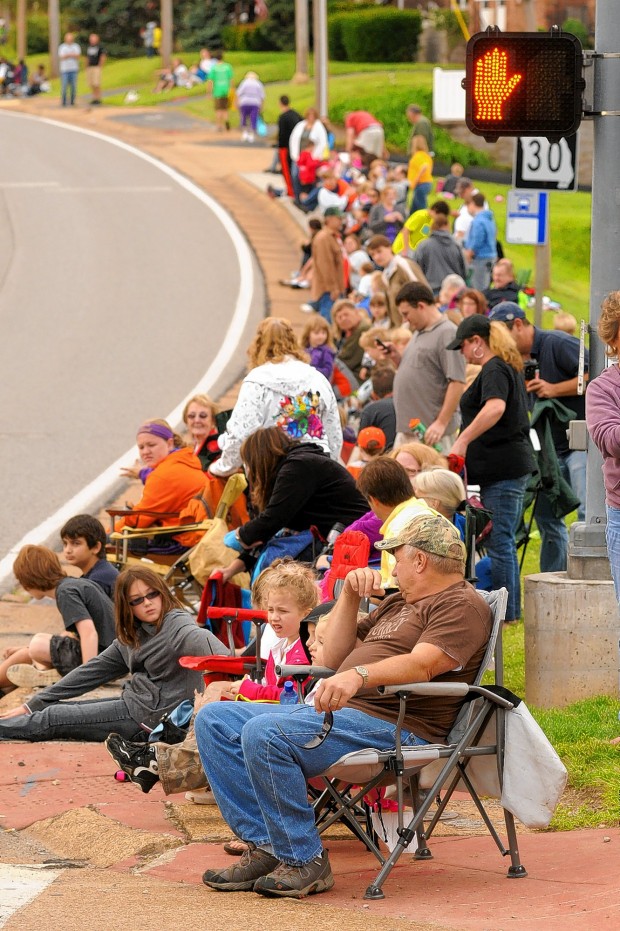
(433, 767)
(226, 623)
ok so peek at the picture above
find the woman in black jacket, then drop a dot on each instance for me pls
(293, 486)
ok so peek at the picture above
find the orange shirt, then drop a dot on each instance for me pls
(169, 487)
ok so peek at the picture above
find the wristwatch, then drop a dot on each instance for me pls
(363, 672)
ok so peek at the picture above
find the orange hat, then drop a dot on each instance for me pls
(371, 439)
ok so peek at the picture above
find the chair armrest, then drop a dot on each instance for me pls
(454, 689)
(135, 512)
(317, 672)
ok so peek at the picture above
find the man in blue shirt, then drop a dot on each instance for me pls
(557, 357)
(480, 243)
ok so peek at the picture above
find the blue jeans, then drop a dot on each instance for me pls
(256, 765)
(68, 85)
(74, 720)
(553, 532)
(323, 306)
(420, 196)
(480, 273)
(505, 499)
(612, 532)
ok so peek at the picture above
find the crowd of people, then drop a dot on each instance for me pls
(417, 375)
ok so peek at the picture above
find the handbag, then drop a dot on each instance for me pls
(261, 127)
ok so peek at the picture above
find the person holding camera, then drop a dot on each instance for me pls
(494, 440)
(551, 377)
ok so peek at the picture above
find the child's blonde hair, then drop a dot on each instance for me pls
(316, 322)
(565, 322)
(368, 337)
(400, 335)
(286, 574)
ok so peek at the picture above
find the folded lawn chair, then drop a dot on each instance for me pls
(495, 749)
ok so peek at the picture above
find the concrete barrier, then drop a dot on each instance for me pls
(572, 634)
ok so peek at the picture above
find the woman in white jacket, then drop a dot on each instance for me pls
(281, 389)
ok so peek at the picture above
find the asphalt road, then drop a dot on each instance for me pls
(118, 288)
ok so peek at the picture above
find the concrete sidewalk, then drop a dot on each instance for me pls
(62, 809)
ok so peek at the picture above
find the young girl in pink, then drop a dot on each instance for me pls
(288, 591)
(318, 342)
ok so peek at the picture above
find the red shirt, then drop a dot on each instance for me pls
(359, 120)
(307, 166)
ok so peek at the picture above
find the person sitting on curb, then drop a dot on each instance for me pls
(86, 611)
(436, 627)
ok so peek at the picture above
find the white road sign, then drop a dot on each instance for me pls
(544, 165)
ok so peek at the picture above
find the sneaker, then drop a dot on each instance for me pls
(201, 797)
(29, 677)
(244, 136)
(138, 760)
(307, 309)
(295, 882)
(250, 137)
(241, 877)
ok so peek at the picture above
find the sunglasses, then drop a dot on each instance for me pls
(150, 596)
(314, 742)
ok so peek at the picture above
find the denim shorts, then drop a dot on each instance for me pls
(66, 653)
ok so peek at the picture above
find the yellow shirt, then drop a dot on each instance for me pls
(421, 160)
(399, 518)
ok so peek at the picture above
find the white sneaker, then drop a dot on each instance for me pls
(244, 136)
(307, 309)
(250, 137)
(201, 797)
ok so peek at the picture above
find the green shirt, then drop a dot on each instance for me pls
(221, 75)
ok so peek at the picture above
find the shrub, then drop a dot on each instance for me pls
(337, 51)
(381, 35)
(38, 34)
(577, 28)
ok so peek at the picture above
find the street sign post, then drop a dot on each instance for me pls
(546, 166)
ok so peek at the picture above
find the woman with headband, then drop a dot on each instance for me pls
(173, 476)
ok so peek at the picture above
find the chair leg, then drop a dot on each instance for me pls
(516, 870)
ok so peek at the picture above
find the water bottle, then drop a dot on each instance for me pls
(288, 695)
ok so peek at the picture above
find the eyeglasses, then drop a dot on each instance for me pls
(150, 596)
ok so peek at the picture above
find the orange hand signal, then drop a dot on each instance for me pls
(491, 86)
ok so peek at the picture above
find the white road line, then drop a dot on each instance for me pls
(10, 185)
(111, 190)
(20, 885)
(101, 487)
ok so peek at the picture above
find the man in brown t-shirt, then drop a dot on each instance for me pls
(257, 758)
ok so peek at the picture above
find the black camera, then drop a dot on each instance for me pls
(530, 370)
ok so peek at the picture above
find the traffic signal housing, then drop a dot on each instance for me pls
(523, 84)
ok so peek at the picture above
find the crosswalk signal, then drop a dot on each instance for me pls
(523, 84)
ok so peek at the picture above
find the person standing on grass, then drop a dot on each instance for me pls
(95, 60)
(69, 53)
(221, 81)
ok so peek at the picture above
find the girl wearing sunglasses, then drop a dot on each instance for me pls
(152, 633)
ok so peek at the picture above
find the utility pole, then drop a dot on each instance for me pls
(320, 56)
(53, 25)
(588, 551)
(166, 32)
(20, 28)
(301, 75)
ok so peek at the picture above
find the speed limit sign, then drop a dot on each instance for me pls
(544, 165)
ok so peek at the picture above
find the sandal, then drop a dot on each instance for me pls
(235, 847)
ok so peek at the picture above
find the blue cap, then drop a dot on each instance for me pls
(506, 312)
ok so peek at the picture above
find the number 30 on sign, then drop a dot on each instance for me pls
(544, 165)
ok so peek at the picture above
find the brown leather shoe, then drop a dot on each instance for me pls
(295, 882)
(241, 877)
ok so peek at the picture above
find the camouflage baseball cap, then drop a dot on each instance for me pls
(431, 533)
